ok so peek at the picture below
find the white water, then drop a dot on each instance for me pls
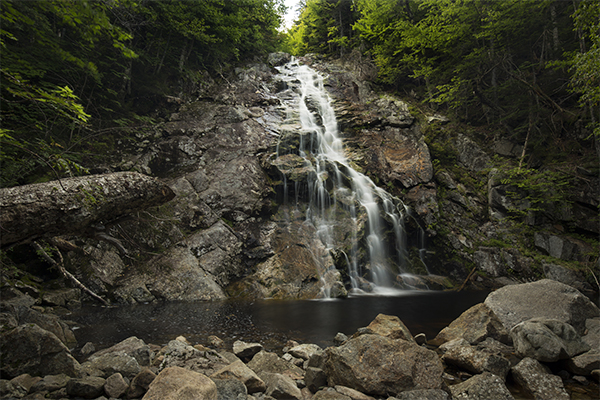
(336, 184)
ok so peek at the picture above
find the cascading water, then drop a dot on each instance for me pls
(352, 216)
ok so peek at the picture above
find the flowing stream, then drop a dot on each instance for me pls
(377, 250)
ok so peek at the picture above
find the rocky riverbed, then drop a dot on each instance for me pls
(535, 340)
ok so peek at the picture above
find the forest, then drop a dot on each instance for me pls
(78, 75)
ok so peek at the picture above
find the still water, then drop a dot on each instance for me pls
(270, 322)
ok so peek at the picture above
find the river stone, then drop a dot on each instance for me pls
(391, 327)
(112, 363)
(585, 363)
(379, 365)
(265, 361)
(545, 299)
(131, 346)
(485, 386)
(305, 351)
(241, 372)
(547, 340)
(281, 386)
(29, 349)
(477, 361)
(88, 387)
(231, 389)
(176, 383)
(474, 325)
(140, 384)
(246, 350)
(537, 380)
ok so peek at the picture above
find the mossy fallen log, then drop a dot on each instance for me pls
(75, 206)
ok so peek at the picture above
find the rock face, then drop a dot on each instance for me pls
(379, 365)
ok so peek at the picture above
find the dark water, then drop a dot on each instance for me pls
(270, 322)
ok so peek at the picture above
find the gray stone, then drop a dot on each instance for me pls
(271, 363)
(111, 363)
(484, 386)
(592, 332)
(477, 361)
(140, 383)
(330, 394)
(61, 297)
(88, 387)
(339, 338)
(115, 386)
(180, 354)
(537, 380)
(351, 393)
(470, 154)
(230, 389)
(176, 383)
(246, 350)
(50, 383)
(281, 386)
(305, 351)
(585, 363)
(545, 299)
(389, 326)
(422, 394)
(547, 340)
(132, 347)
(315, 378)
(10, 390)
(25, 381)
(241, 372)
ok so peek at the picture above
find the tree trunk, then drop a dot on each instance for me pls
(73, 206)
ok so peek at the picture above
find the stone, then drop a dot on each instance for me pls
(281, 387)
(25, 381)
(60, 297)
(477, 361)
(216, 341)
(470, 154)
(390, 326)
(88, 387)
(245, 350)
(420, 339)
(241, 372)
(585, 363)
(485, 386)
(29, 349)
(330, 394)
(378, 365)
(544, 299)
(592, 332)
(88, 349)
(50, 383)
(140, 383)
(547, 340)
(422, 394)
(339, 338)
(353, 394)
(10, 390)
(305, 351)
(49, 322)
(176, 383)
(265, 361)
(474, 325)
(132, 347)
(537, 380)
(315, 378)
(179, 354)
(110, 363)
(115, 386)
(230, 389)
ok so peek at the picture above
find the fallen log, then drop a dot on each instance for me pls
(73, 206)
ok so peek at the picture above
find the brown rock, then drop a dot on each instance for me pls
(176, 383)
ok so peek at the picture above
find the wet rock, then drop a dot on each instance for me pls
(230, 389)
(281, 386)
(585, 363)
(111, 363)
(484, 386)
(216, 341)
(29, 349)
(547, 340)
(474, 325)
(246, 351)
(238, 370)
(537, 380)
(279, 58)
(140, 383)
(546, 299)
(115, 386)
(88, 387)
(391, 327)
(477, 361)
(176, 383)
(379, 365)
(132, 347)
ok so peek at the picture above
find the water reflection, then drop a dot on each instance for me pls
(271, 322)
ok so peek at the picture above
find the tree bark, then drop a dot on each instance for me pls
(73, 206)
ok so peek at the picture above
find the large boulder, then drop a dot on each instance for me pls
(176, 383)
(546, 298)
(379, 365)
(477, 361)
(537, 380)
(179, 354)
(132, 347)
(111, 363)
(238, 370)
(266, 362)
(547, 340)
(29, 349)
(390, 326)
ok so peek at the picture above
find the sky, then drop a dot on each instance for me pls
(292, 6)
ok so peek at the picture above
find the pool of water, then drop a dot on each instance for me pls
(270, 322)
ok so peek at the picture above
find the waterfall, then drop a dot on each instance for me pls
(355, 219)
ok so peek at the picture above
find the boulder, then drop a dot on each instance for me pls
(585, 363)
(422, 394)
(132, 347)
(474, 325)
(29, 349)
(115, 386)
(315, 378)
(545, 299)
(547, 340)
(477, 361)
(537, 380)
(281, 387)
(140, 384)
(270, 362)
(11, 390)
(246, 350)
(391, 327)
(330, 394)
(353, 394)
(379, 365)
(111, 363)
(50, 383)
(88, 387)
(49, 322)
(484, 386)
(230, 389)
(592, 332)
(176, 383)
(25, 381)
(180, 354)
(305, 351)
(61, 297)
(241, 372)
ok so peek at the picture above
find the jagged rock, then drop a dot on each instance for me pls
(379, 365)
(562, 247)
(537, 380)
(88, 387)
(279, 58)
(391, 327)
(305, 351)
(281, 386)
(140, 383)
(230, 389)
(131, 346)
(176, 383)
(180, 354)
(544, 299)
(315, 378)
(585, 363)
(484, 386)
(477, 361)
(244, 374)
(29, 349)
(547, 340)
(474, 325)
(270, 362)
(115, 386)
(470, 154)
(246, 350)
(111, 363)
(567, 276)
